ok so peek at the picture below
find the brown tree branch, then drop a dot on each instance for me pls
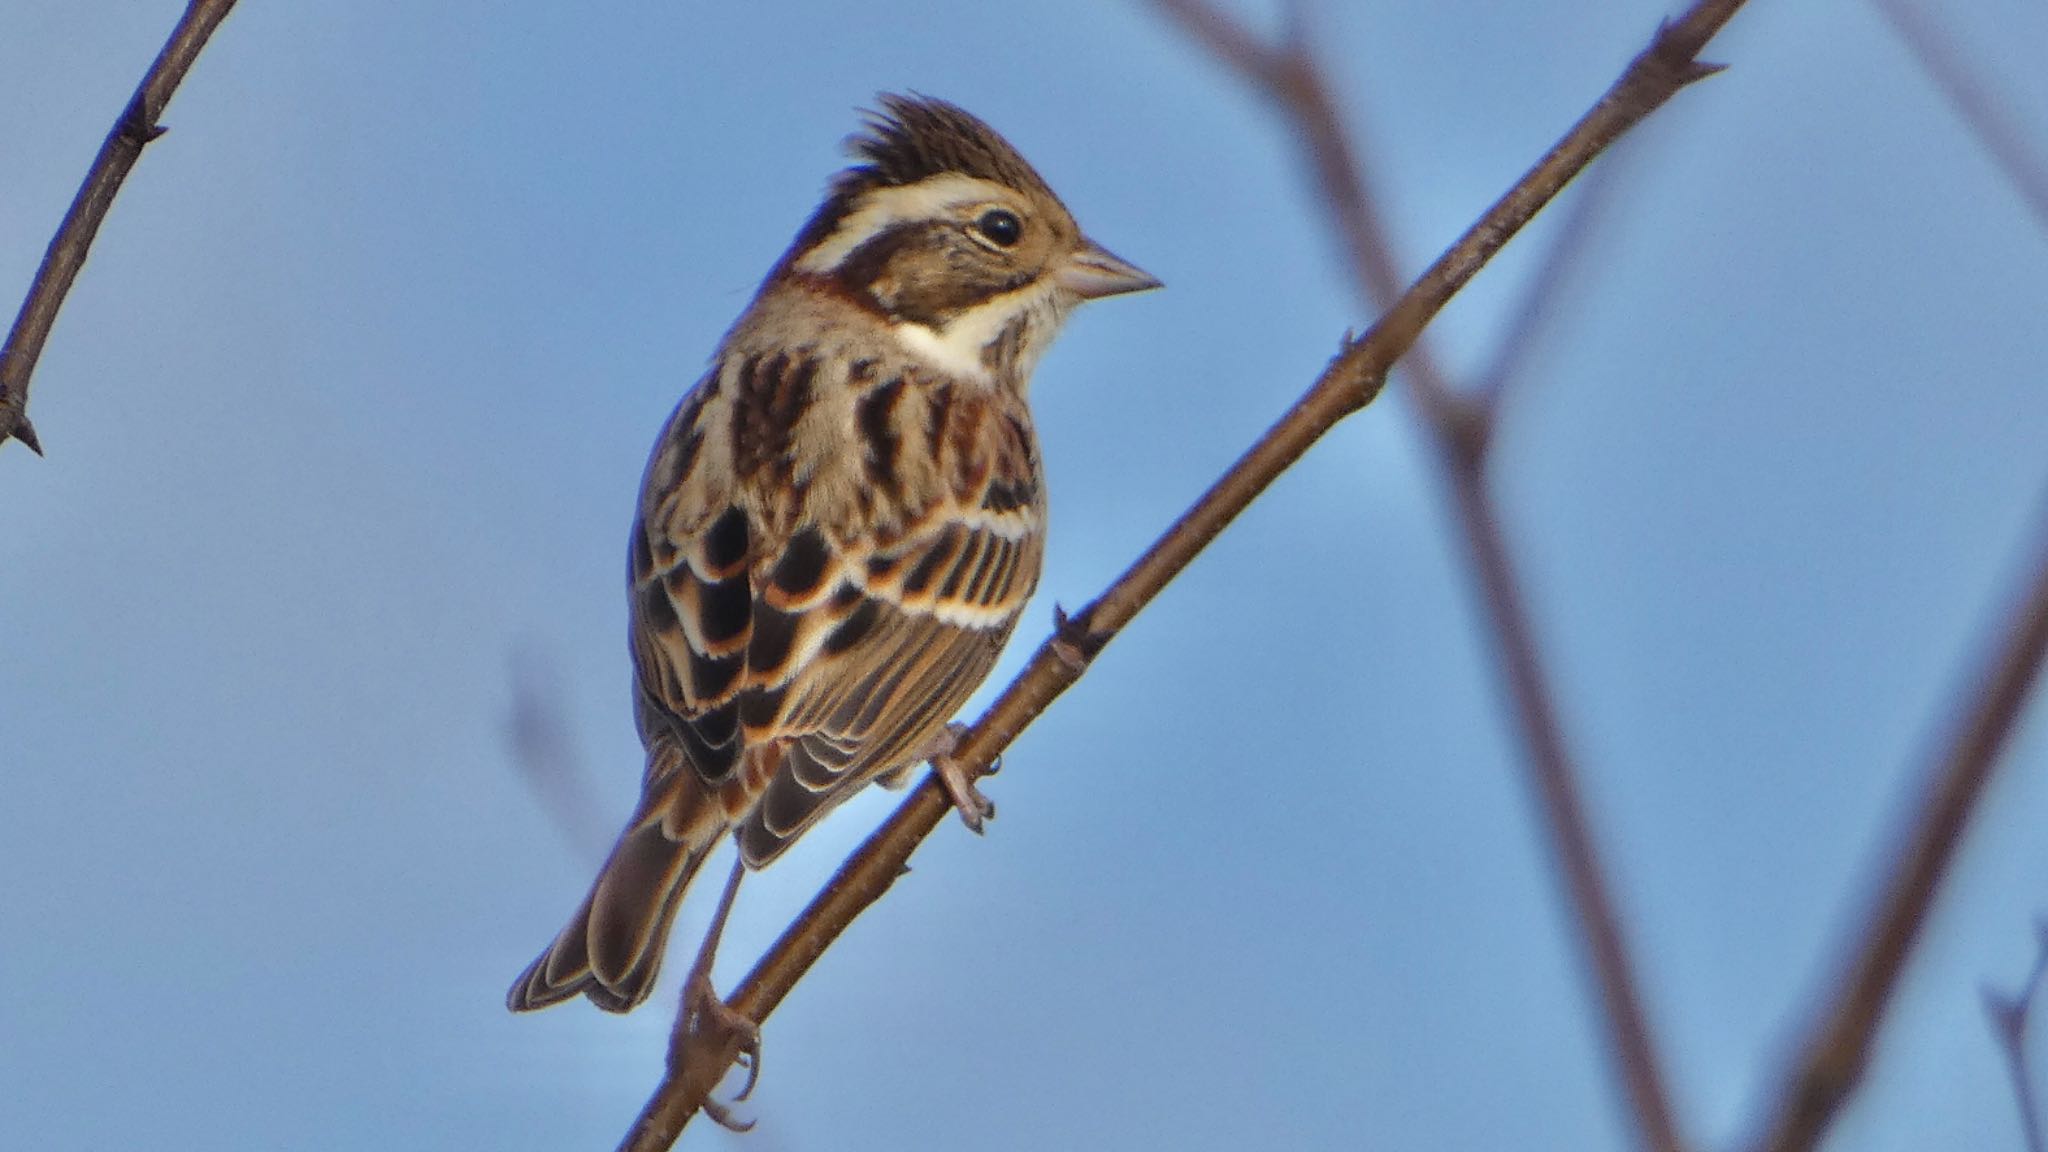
(136, 127)
(2010, 1017)
(1350, 382)
(1838, 1047)
(1460, 429)
(1982, 110)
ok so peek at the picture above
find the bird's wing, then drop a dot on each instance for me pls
(792, 668)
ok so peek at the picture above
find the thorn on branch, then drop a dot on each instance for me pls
(26, 433)
(137, 125)
(1673, 52)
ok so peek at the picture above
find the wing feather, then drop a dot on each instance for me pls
(791, 648)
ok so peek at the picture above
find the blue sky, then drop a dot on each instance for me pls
(348, 410)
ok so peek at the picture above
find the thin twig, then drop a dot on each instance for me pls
(1350, 382)
(2010, 1016)
(1983, 111)
(1460, 428)
(1838, 1048)
(136, 127)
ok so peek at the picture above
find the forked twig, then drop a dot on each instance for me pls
(1352, 379)
(2010, 1017)
(1838, 1046)
(136, 127)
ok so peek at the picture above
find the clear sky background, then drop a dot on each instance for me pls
(347, 414)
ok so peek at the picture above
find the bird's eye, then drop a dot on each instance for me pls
(1001, 226)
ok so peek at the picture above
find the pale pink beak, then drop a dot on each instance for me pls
(1095, 272)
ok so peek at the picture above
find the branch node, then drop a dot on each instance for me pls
(1073, 642)
(2007, 1013)
(1360, 383)
(1666, 67)
(138, 127)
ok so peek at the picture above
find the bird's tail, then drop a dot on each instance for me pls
(611, 951)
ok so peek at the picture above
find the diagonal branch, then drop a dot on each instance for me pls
(136, 127)
(1838, 1047)
(1984, 111)
(1350, 382)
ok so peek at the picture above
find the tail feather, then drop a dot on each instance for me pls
(611, 951)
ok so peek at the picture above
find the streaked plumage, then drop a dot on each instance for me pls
(840, 523)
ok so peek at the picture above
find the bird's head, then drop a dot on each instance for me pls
(955, 241)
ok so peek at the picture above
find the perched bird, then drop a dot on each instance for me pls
(839, 524)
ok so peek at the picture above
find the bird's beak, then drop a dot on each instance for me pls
(1095, 272)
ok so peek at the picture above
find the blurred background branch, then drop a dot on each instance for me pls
(543, 748)
(2011, 1016)
(1987, 710)
(1984, 110)
(135, 128)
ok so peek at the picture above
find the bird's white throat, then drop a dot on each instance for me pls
(958, 348)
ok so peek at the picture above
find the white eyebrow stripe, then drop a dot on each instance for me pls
(883, 208)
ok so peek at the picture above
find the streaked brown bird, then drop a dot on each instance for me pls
(838, 526)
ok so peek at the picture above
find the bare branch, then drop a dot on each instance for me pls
(136, 127)
(2010, 1016)
(1350, 382)
(1982, 110)
(1838, 1047)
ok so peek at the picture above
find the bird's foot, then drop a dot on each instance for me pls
(707, 1032)
(974, 808)
(710, 1035)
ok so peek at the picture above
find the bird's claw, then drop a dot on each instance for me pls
(974, 808)
(711, 1028)
(710, 1035)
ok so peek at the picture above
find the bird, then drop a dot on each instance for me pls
(837, 528)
